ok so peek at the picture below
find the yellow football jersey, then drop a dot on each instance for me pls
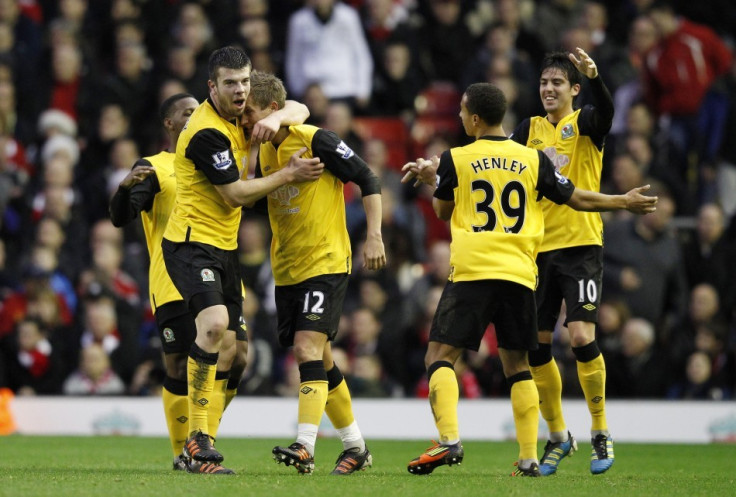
(210, 151)
(160, 287)
(307, 219)
(579, 159)
(497, 223)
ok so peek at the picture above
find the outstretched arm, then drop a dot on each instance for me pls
(632, 201)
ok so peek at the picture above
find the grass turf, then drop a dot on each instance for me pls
(131, 467)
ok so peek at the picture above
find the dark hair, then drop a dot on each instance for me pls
(561, 61)
(166, 107)
(266, 88)
(229, 57)
(487, 101)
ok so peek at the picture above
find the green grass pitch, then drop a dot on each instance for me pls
(37, 466)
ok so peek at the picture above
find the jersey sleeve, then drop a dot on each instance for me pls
(446, 177)
(346, 165)
(126, 203)
(211, 152)
(521, 133)
(552, 184)
(595, 120)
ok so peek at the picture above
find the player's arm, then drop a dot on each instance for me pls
(134, 194)
(345, 165)
(446, 182)
(292, 113)
(595, 120)
(210, 150)
(521, 133)
(561, 190)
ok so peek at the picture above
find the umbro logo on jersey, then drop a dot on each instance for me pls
(168, 334)
(207, 275)
(313, 317)
(222, 160)
(305, 390)
(588, 307)
(344, 150)
(536, 141)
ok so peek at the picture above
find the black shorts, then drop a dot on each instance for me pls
(176, 327)
(312, 305)
(466, 308)
(574, 274)
(206, 276)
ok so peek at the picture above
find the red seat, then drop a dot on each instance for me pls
(392, 131)
(440, 99)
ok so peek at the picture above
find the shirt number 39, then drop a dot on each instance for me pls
(513, 190)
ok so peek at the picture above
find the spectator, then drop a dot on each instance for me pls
(680, 73)
(35, 367)
(94, 376)
(644, 265)
(326, 45)
(640, 369)
(708, 256)
(444, 40)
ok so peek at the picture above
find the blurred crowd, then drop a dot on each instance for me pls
(80, 86)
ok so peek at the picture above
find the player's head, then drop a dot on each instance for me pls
(482, 102)
(229, 83)
(267, 95)
(175, 111)
(559, 83)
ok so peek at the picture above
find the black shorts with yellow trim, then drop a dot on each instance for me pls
(314, 304)
(575, 275)
(467, 309)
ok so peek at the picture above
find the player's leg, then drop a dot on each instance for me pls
(339, 408)
(544, 368)
(176, 331)
(582, 289)
(459, 323)
(201, 374)
(516, 332)
(308, 317)
(308, 350)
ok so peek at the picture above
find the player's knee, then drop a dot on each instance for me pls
(581, 333)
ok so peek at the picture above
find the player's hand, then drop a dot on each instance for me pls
(638, 203)
(585, 64)
(302, 168)
(265, 129)
(423, 171)
(136, 175)
(374, 254)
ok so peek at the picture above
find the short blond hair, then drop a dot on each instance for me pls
(266, 88)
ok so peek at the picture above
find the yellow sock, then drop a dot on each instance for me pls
(217, 404)
(525, 404)
(312, 400)
(549, 384)
(339, 406)
(592, 375)
(176, 411)
(201, 381)
(444, 394)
